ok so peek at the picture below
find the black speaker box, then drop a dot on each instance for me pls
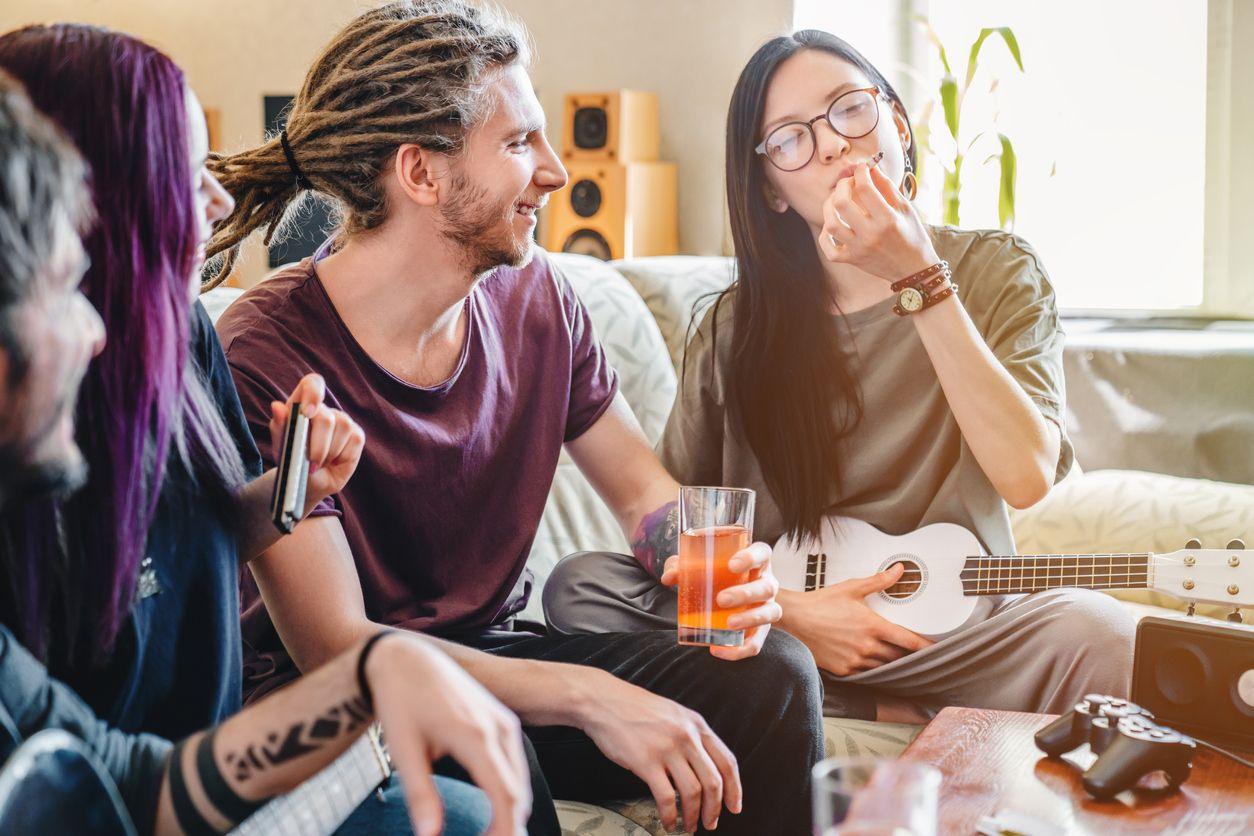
(1197, 676)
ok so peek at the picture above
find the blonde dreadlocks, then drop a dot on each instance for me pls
(408, 71)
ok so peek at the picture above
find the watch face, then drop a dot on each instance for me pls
(911, 299)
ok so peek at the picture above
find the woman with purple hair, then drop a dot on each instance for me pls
(127, 589)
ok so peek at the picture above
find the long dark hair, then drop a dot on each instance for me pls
(72, 564)
(790, 391)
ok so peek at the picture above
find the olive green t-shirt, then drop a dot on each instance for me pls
(906, 463)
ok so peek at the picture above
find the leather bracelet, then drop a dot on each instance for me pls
(362, 684)
(935, 283)
(940, 297)
(921, 276)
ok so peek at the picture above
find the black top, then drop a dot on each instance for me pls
(177, 664)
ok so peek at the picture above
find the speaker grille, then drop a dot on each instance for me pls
(587, 242)
(590, 128)
(585, 198)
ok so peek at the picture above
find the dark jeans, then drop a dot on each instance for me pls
(766, 709)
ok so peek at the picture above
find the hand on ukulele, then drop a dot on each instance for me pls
(757, 596)
(875, 227)
(335, 440)
(844, 634)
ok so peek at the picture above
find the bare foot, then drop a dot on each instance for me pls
(897, 710)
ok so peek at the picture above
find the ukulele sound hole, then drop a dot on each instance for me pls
(911, 580)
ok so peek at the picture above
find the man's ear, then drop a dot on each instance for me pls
(419, 172)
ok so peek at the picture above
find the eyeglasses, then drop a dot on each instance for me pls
(853, 114)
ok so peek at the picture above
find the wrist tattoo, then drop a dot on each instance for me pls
(300, 739)
(657, 538)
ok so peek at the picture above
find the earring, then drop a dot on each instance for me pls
(909, 183)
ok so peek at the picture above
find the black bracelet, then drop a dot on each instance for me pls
(229, 803)
(189, 818)
(362, 685)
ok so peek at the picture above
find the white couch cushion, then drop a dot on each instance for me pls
(677, 288)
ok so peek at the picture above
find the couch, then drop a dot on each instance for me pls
(643, 309)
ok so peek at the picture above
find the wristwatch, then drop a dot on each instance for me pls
(911, 300)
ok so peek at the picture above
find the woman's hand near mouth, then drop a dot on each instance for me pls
(869, 224)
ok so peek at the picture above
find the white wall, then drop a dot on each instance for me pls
(690, 52)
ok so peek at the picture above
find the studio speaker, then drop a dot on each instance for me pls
(619, 126)
(611, 210)
(1197, 676)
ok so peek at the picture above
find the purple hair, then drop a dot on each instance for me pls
(122, 103)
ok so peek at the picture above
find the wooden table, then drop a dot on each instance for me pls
(989, 764)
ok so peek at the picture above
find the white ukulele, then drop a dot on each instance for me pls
(949, 583)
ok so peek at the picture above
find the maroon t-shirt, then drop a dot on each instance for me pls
(443, 508)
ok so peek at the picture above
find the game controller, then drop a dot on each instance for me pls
(1128, 743)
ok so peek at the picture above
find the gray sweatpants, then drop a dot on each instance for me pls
(1040, 652)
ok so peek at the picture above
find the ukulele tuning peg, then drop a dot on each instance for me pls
(1193, 544)
(1236, 545)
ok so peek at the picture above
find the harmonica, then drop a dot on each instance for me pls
(287, 503)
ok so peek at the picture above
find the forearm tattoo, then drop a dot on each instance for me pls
(657, 538)
(300, 739)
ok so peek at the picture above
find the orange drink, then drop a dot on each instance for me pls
(715, 524)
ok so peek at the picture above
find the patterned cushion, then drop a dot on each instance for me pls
(574, 517)
(677, 289)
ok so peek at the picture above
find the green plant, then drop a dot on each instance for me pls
(952, 95)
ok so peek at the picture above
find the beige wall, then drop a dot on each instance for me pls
(689, 51)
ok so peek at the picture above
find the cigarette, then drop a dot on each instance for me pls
(874, 161)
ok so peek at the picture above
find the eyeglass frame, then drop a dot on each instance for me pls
(875, 92)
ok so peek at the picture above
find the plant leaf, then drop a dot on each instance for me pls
(1006, 195)
(949, 100)
(1007, 35)
(935, 39)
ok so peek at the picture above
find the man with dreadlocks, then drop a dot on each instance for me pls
(470, 364)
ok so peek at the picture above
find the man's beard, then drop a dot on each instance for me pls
(482, 231)
(21, 478)
(29, 471)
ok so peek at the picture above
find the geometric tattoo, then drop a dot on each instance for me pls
(657, 538)
(301, 739)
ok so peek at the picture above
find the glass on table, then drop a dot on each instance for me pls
(872, 796)
(714, 524)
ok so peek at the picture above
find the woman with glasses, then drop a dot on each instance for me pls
(867, 365)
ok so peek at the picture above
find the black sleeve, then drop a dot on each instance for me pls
(207, 352)
(34, 701)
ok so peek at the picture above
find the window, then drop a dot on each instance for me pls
(1121, 106)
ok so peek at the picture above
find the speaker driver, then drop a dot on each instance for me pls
(1180, 674)
(585, 198)
(587, 242)
(590, 127)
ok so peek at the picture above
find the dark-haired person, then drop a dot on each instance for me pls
(49, 332)
(811, 382)
(126, 589)
(471, 364)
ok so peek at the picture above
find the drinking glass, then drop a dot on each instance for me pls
(714, 524)
(871, 796)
